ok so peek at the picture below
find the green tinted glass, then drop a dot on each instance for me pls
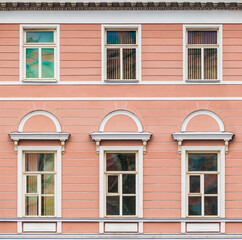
(129, 205)
(32, 63)
(47, 206)
(31, 203)
(39, 36)
(47, 184)
(31, 182)
(47, 56)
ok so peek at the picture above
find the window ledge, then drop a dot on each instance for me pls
(121, 81)
(40, 81)
(203, 81)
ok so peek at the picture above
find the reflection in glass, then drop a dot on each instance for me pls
(47, 206)
(129, 63)
(210, 63)
(112, 206)
(120, 161)
(47, 62)
(202, 162)
(31, 182)
(194, 64)
(129, 205)
(32, 63)
(39, 36)
(194, 184)
(210, 184)
(113, 184)
(31, 205)
(113, 63)
(121, 37)
(47, 183)
(211, 206)
(194, 204)
(129, 183)
(202, 37)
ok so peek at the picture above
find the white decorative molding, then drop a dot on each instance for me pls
(203, 112)
(39, 112)
(99, 136)
(121, 112)
(203, 227)
(17, 136)
(181, 136)
(39, 227)
(121, 227)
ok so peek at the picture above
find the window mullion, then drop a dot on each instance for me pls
(202, 63)
(40, 60)
(202, 193)
(121, 194)
(39, 192)
(121, 63)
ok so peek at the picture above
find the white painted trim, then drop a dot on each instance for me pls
(221, 170)
(39, 227)
(219, 28)
(139, 193)
(203, 227)
(58, 188)
(39, 112)
(203, 112)
(121, 112)
(56, 46)
(121, 227)
(122, 17)
(180, 136)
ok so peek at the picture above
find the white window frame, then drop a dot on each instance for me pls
(23, 46)
(21, 181)
(136, 28)
(220, 150)
(219, 45)
(102, 181)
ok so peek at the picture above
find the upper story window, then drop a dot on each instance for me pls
(40, 54)
(203, 54)
(121, 54)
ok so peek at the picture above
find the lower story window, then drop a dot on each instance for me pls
(39, 184)
(121, 183)
(203, 183)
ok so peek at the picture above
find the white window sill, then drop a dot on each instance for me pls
(204, 81)
(39, 81)
(121, 81)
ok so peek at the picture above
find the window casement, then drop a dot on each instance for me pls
(202, 175)
(39, 54)
(121, 184)
(39, 179)
(121, 54)
(203, 53)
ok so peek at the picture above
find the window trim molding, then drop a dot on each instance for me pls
(139, 207)
(220, 53)
(20, 193)
(138, 56)
(221, 196)
(24, 27)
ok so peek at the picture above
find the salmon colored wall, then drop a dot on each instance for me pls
(9, 52)
(162, 227)
(70, 227)
(8, 227)
(233, 227)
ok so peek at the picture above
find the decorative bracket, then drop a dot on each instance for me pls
(226, 143)
(179, 146)
(16, 145)
(98, 141)
(63, 143)
(144, 146)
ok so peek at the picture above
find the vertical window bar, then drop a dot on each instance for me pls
(39, 193)
(40, 62)
(202, 63)
(202, 192)
(121, 63)
(121, 195)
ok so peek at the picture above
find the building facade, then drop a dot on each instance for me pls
(120, 120)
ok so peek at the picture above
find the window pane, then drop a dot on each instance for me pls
(202, 162)
(31, 182)
(194, 64)
(39, 162)
(194, 205)
(113, 184)
(31, 205)
(113, 63)
(129, 63)
(39, 36)
(120, 161)
(47, 184)
(112, 205)
(202, 37)
(210, 63)
(129, 185)
(211, 206)
(194, 184)
(47, 62)
(32, 63)
(121, 37)
(47, 206)
(210, 184)
(129, 205)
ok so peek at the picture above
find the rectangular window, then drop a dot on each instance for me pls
(39, 184)
(203, 184)
(121, 183)
(121, 54)
(203, 54)
(39, 54)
